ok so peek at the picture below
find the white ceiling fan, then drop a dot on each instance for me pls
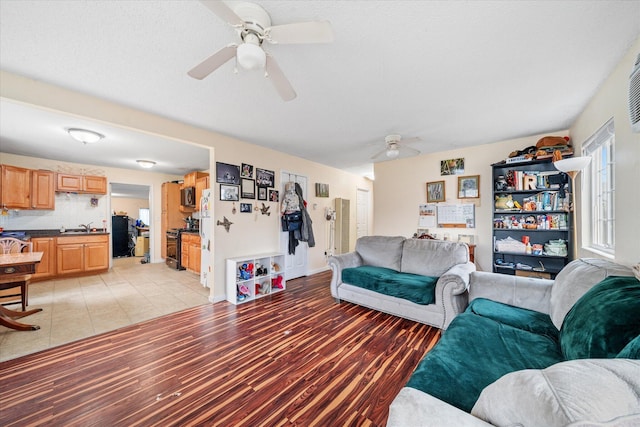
(254, 27)
(396, 147)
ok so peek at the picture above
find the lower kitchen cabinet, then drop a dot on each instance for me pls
(190, 252)
(79, 254)
(47, 266)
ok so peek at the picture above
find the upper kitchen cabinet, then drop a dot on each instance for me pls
(191, 178)
(16, 187)
(81, 183)
(42, 189)
(23, 188)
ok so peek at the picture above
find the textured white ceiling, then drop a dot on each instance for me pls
(454, 73)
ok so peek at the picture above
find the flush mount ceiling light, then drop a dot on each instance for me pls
(85, 136)
(146, 163)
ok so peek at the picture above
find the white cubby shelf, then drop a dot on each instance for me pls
(252, 277)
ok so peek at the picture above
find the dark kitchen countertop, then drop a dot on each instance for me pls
(53, 233)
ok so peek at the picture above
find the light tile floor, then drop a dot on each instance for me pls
(80, 307)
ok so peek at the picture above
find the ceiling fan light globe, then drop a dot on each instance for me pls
(392, 153)
(251, 57)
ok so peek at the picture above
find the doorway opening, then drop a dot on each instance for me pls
(130, 221)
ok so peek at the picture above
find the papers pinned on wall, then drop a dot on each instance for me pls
(456, 216)
(427, 217)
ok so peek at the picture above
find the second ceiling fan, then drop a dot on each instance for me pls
(254, 27)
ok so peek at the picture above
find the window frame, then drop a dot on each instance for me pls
(599, 190)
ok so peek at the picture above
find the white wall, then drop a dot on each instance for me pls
(250, 234)
(611, 100)
(401, 186)
(129, 205)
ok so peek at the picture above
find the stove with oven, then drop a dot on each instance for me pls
(173, 249)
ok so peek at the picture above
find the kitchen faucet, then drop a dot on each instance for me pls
(86, 227)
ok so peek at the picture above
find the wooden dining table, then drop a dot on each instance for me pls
(18, 267)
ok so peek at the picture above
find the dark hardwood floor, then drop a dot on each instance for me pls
(294, 358)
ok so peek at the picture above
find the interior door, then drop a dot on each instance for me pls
(296, 264)
(362, 213)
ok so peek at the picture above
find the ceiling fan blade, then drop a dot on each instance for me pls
(279, 80)
(213, 62)
(411, 140)
(378, 154)
(408, 150)
(224, 12)
(301, 32)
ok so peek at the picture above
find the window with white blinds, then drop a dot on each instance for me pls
(599, 188)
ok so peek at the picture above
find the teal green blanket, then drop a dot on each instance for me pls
(413, 287)
(482, 344)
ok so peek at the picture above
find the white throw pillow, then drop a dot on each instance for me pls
(588, 391)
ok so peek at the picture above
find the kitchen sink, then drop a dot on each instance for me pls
(80, 233)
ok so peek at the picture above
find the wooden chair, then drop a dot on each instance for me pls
(10, 245)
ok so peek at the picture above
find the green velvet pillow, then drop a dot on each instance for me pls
(631, 350)
(603, 321)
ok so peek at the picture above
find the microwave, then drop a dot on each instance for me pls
(188, 197)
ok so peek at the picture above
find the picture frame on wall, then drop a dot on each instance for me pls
(452, 167)
(262, 193)
(245, 207)
(265, 178)
(248, 189)
(435, 192)
(274, 196)
(469, 187)
(229, 193)
(227, 173)
(246, 171)
(322, 190)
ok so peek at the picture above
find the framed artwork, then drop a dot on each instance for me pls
(322, 190)
(264, 178)
(248, 189)
(469, 187)
(262, 193)
(452, 167)
(274, 196)
(227, 174)
(246, 171)
(229, 193)
(435, 191)
(245, 207)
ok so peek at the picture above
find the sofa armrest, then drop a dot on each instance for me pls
(451, 290)
(337, 263)
(415, 408)
(525, 292)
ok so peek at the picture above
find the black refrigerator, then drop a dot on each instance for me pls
(120, 235)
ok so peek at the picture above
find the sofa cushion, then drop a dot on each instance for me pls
(521, 318)
(432, 257)
(575, 279)
(474, 352)
(594, 390)
(381, 251)
(631, 350)
(603, 321)
(412, 287)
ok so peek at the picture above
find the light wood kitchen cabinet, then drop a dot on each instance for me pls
(171, 217)
(190, 252)
(23, 188)
(191, 178)
(79, 254)
(47, 266)
(16, 187)
(42, 189)
(81, 183)
(202, 183)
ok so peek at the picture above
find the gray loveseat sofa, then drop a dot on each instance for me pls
(421, 280)
(532, 352)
